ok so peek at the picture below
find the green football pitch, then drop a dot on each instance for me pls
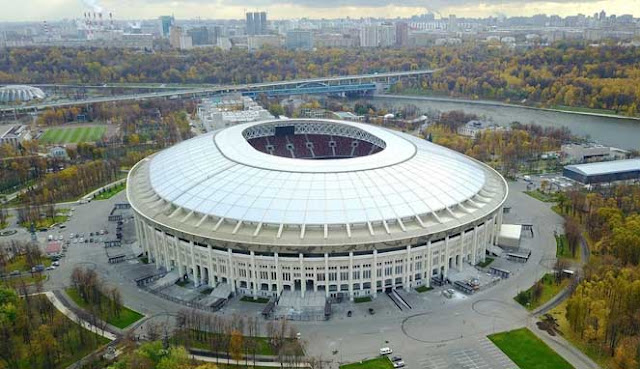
(73, 134)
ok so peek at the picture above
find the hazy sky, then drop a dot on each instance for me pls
(35, 10)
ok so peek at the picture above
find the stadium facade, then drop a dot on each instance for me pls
(314, 205)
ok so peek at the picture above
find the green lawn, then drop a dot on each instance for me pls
(422, 289)
(109, 193)
(549, 289)
(381, 362)
(527, 351)
(61, 135)
(486, 262)
(259, 300)
(359, 300)
(126, 318)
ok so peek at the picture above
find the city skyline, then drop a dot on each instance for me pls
(38, 10)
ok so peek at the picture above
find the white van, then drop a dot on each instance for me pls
(385, 351)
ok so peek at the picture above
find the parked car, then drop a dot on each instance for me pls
(386, 351)
(50, 267)
(56, 263)
(371, 311)
(448, 293)
(349, 313)
(398, 364)
(396, 358)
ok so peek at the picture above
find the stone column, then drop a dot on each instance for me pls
(254, 277)
(428, 263)
(407, 270)
(326, 275)
(446, 256)
(374, 274)
(303, 275)
(278, 274)
(230, 275)
(196, 279)
(350, 275)
(474, 247)
(210, 255)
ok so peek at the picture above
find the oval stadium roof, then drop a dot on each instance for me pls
(220, 175)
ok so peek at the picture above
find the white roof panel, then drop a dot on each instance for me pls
(222, 175)
(606, 167)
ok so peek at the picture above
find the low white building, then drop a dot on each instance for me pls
(473, 127)
(580, 153)
(14, 135)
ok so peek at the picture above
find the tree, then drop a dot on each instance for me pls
(236, 345)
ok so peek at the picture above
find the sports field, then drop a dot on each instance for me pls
(73, 134)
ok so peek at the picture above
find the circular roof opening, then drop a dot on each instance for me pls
(312, 140)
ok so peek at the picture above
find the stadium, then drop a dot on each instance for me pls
(338, 208)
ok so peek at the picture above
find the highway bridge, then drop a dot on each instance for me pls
(325, 85)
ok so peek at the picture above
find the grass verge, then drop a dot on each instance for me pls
(486, 262)
(542, 196)
(381, 362)
(126, 318)
(109, 193)
(562, 248)
(422, 289)
(259, 300)
(549, 288)
(359, 300)
(528, 351)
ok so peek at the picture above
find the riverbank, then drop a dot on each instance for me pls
(611, 130)
(568, 110)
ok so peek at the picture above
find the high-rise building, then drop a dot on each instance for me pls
(369, 36)
(166, 22)
(256, 23)
(402, 34)
(251, 30)
(179, 39)
(386, 35)
(263, 23)
(299, 39)
(200, 36)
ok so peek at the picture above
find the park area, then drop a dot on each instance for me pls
(528, 351)
(60, 135)
(123, 319)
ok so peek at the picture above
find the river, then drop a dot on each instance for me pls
(618, 132)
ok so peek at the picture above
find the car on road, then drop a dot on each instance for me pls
(448, 293)
(398, 364)
(371, 311)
